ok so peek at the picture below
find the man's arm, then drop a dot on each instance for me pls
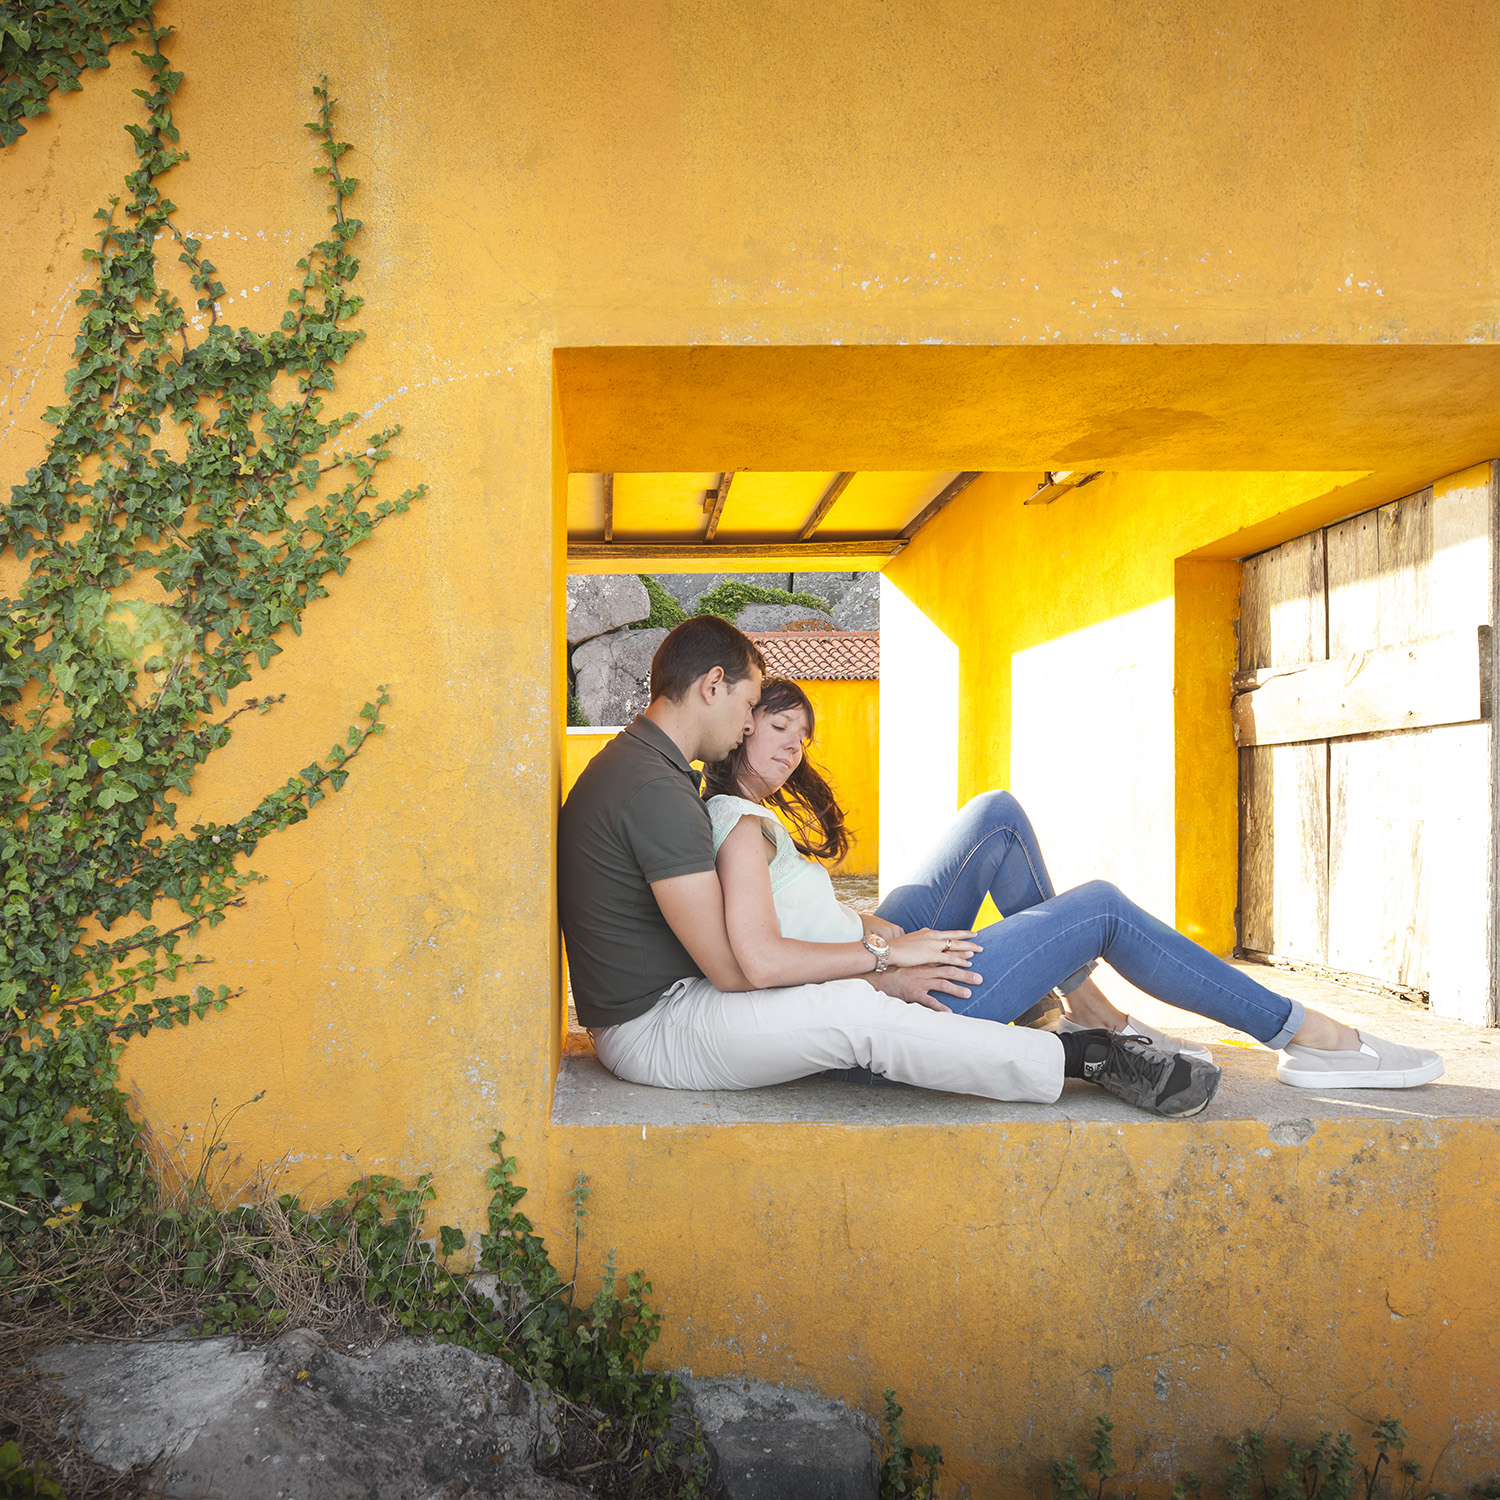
(694, 908)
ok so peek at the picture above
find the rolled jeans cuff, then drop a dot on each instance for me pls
(1295, 1017)
(1077, 977)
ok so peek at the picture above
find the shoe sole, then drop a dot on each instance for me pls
(1196, 1109)
(1403, 1078)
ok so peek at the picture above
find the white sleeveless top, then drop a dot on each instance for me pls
(802, 893)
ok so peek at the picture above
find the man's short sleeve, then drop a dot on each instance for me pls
(667, 829)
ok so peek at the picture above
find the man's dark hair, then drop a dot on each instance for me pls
(694, 649)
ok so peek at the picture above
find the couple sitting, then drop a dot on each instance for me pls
(707, 949)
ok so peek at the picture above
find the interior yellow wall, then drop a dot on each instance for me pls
(1206, 617)
(1128, 742)
(591, 175)
(847, 750)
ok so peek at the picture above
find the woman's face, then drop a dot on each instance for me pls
(773, 748)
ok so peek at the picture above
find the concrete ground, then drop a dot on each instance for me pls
(586, 1094)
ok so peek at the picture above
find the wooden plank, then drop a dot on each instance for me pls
(1055, 484)
(1298, 606)
(1404, 600)
(1459, 572)
(1454, 774)
(1284, 787)
(946, 496)
(1300, 795)
(826, 504)
(1378, 908)
(1257, 928)
(1493, 508)
(715, 508)
(809, 557)
(609, 507)
(1255, 611)
(1353, 571)
(1419, 685)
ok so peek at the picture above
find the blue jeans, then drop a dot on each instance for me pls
(1048, 941)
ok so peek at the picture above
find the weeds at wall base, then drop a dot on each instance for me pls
(1328, 1468)
(361, 1269)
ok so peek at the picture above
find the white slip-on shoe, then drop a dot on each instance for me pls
(1376, 1064)
(1173, 1046)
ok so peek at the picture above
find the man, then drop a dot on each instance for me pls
(656, 981)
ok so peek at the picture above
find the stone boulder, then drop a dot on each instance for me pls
(613, 675)
(599, 604)
(853, 598)
(784, 617)
(688, 588)
(769, 1443)
(298, 1420)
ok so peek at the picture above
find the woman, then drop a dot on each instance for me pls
(778, 898)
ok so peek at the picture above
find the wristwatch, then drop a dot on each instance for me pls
(880, 948)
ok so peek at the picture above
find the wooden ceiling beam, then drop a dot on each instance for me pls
(609, 507)
(715, 508)
(826, 504)
(949, 493)
(877, 548)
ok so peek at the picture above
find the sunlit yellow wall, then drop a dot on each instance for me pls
(846, 750)
(586, 174)
(1086, 686)
(578, 751)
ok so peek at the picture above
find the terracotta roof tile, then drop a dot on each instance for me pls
(820, 655)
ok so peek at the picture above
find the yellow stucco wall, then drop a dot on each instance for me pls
(846, 750)
(1220, 188)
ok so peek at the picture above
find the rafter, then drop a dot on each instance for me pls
(826, 504)
(877, 549)
(949, 493)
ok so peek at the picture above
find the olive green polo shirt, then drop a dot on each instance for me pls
(633, 816)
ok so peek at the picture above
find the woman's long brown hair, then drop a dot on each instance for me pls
(805, 798)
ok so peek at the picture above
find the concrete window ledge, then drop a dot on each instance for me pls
(587, 1094)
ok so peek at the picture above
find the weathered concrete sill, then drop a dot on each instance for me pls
(588, 1095)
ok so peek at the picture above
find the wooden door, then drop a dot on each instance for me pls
(1362, 710)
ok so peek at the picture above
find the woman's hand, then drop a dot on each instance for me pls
(880, 927)
(914, 949)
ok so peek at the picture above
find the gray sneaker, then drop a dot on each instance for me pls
(1130, 1068)
(1161, 1040)
(1375, 1064)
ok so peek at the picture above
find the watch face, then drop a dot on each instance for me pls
(877, 944)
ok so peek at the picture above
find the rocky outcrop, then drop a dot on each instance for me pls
(688, 588)
(600, 604)
(613, 675)
(412, 1420)
(853, 598)
(769, 1443)
(783, 617)
(299, 1420)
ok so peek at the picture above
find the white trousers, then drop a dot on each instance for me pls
(697, 1037)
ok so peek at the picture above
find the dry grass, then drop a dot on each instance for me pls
(74, 1286)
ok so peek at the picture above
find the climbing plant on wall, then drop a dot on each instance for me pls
(182, 520)
(45, 47)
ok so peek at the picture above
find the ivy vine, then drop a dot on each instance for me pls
(45, 47)
(177, 526)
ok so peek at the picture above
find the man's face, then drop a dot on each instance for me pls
(730, 715)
